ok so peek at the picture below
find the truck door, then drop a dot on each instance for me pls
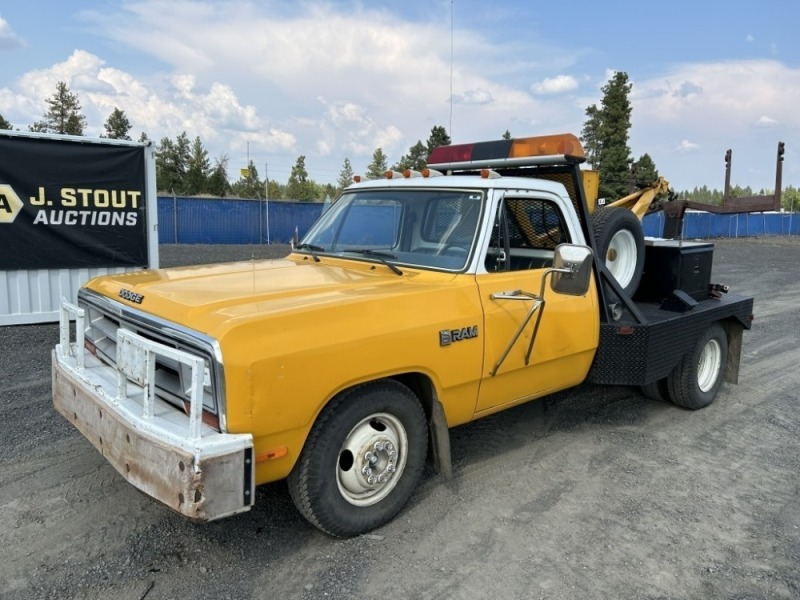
(526, 230)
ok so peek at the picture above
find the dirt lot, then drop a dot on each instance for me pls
(594, 493)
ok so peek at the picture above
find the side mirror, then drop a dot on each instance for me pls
(572, 269)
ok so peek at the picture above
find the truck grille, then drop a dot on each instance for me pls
(104, 317)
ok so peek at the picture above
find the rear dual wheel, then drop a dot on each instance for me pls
(695, 381)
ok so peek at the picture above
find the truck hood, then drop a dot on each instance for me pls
(211, 298)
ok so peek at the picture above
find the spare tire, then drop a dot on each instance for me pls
(620, 242)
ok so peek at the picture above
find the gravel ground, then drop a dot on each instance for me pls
(597, 492)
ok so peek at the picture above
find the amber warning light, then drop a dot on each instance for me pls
(545, 149)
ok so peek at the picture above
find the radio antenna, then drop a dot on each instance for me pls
(451, 70)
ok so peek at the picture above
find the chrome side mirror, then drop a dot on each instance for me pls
(572, 269)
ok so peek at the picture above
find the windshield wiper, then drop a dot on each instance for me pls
(381, 256)
(311, 249)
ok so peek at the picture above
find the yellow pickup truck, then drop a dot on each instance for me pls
(415, 304)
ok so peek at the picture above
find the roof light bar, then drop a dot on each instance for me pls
(539, 150)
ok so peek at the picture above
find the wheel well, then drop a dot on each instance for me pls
(439, 435)
(422, 387)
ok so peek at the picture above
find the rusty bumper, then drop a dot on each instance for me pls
(203, 479)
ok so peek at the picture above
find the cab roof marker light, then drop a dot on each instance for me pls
(431, 173)
(489, 174)
(393, 175)
(356, 178)
(409, 173)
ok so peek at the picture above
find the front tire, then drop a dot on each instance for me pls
(695, 381)
(362, 460)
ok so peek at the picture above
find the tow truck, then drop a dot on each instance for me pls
(415, 304)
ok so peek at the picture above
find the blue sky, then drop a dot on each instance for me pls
(338, 79)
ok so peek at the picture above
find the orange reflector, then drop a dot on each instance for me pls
(357, 178)
(273, 454)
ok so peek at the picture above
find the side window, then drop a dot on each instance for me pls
(525, 233)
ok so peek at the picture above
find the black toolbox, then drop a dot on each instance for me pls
(675, 265)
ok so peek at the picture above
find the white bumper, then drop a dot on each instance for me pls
(169, 455)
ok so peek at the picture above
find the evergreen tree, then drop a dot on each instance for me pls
(378, 167)
(38, 127)
(218, 184)
(345, 176)
(117, 125)
(644, 171)
(416, 158)
(299, 186)
(143, 137)
(198, 169)
(438, 137)
(64, 112)
(248, 185)
(4, 124)
(275, 190)
(171, 164)
(614, 157)
(790, 199)
(590, 135)
(507, 135)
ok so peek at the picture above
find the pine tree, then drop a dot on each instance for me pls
(299, 186)
(438, 137)
(248, 185)
(198, 169)
(171, 164)
(614, 157)
(117, 125)
(4, 124)
(345, 176)
(416, 158)
(64, 112)
(590, 135)
(507, 135)
(377, 168)
(644, 171)
(218, 184)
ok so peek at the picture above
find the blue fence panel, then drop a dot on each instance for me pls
(285, 217)
(703, 225)
(184, 220)
(217, 221)
(166, 221)
(237, 221)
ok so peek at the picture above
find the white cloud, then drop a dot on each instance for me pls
(477, 96)
(749, 38)
(8, 38)
(555, 85)
(687, 146)
(160, 108)
(765, 121)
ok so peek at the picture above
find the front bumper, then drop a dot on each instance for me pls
(175, 458)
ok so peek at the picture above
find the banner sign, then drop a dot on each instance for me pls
(68, 204)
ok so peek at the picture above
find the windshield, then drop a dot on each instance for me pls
(416, 227)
